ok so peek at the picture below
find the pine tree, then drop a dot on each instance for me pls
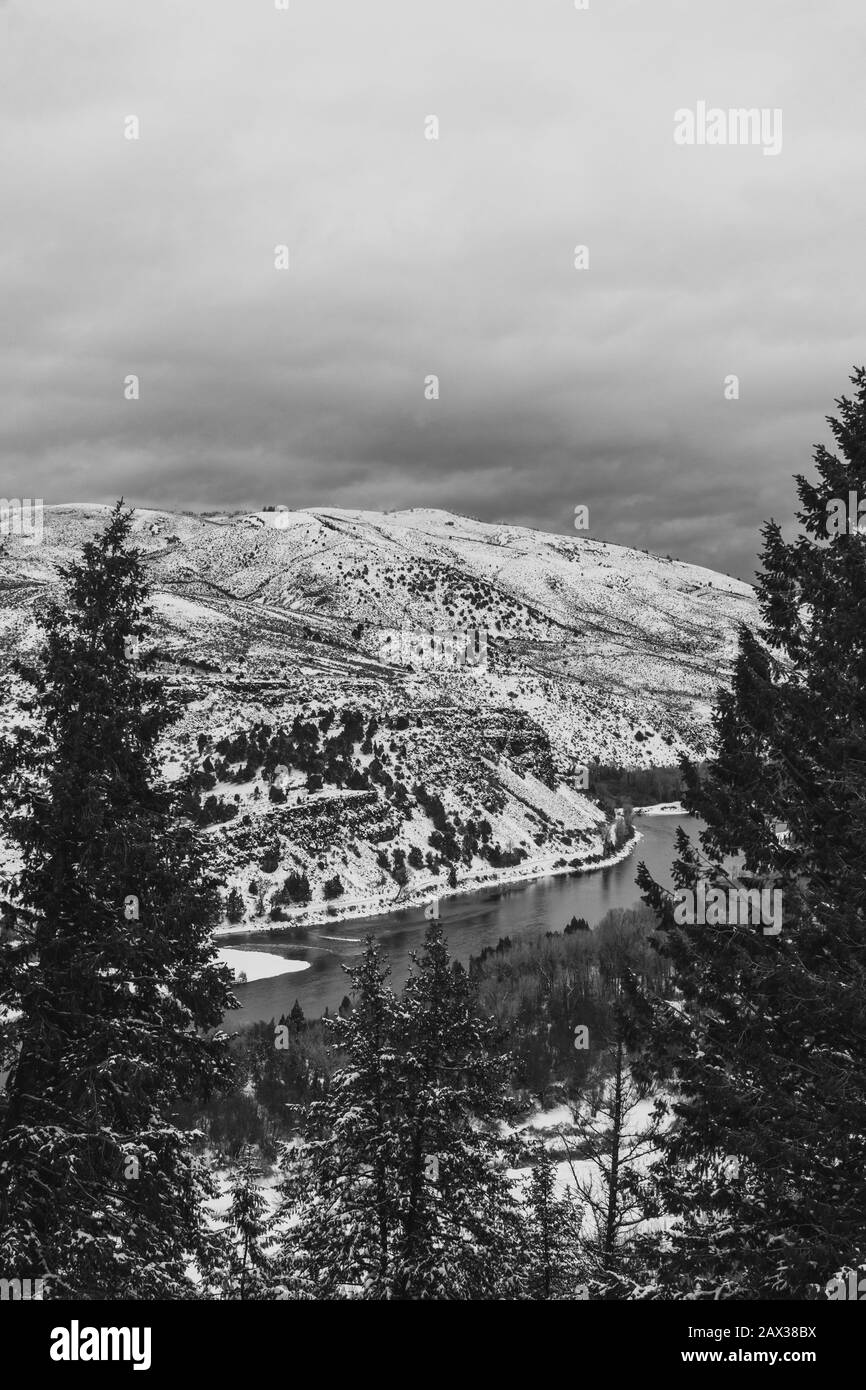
(246, 1232)
(338, 1186)
(235, 907)
(766, 1165)
(550, 1263)
(457, 1212)
(398, 1191)
(296, 1016)
(109, 959)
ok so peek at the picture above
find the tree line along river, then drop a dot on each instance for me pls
(470, 921)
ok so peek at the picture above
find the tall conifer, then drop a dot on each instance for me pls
(766, 1048)
(107, 961)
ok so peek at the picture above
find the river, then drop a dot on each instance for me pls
(470, 922)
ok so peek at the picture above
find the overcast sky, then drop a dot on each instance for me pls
(410, 257)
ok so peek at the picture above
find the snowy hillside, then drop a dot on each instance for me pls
(333, 780)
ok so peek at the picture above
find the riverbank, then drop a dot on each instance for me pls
(379, 906)
(471, 921)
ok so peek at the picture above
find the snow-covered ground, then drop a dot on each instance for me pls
(379, 904)
(259, 965)
(596, 654)
(559, 1126)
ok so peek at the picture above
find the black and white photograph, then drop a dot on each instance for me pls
(433, 675)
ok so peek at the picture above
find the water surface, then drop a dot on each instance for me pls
(471, 921)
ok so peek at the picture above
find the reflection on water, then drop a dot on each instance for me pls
(471, 922)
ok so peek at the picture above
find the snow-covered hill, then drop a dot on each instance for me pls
(272, 620)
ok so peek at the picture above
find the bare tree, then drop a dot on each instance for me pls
(618, 1129)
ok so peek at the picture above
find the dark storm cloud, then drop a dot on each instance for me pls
(411, 257)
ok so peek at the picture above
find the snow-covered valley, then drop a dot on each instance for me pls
(334, 784)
